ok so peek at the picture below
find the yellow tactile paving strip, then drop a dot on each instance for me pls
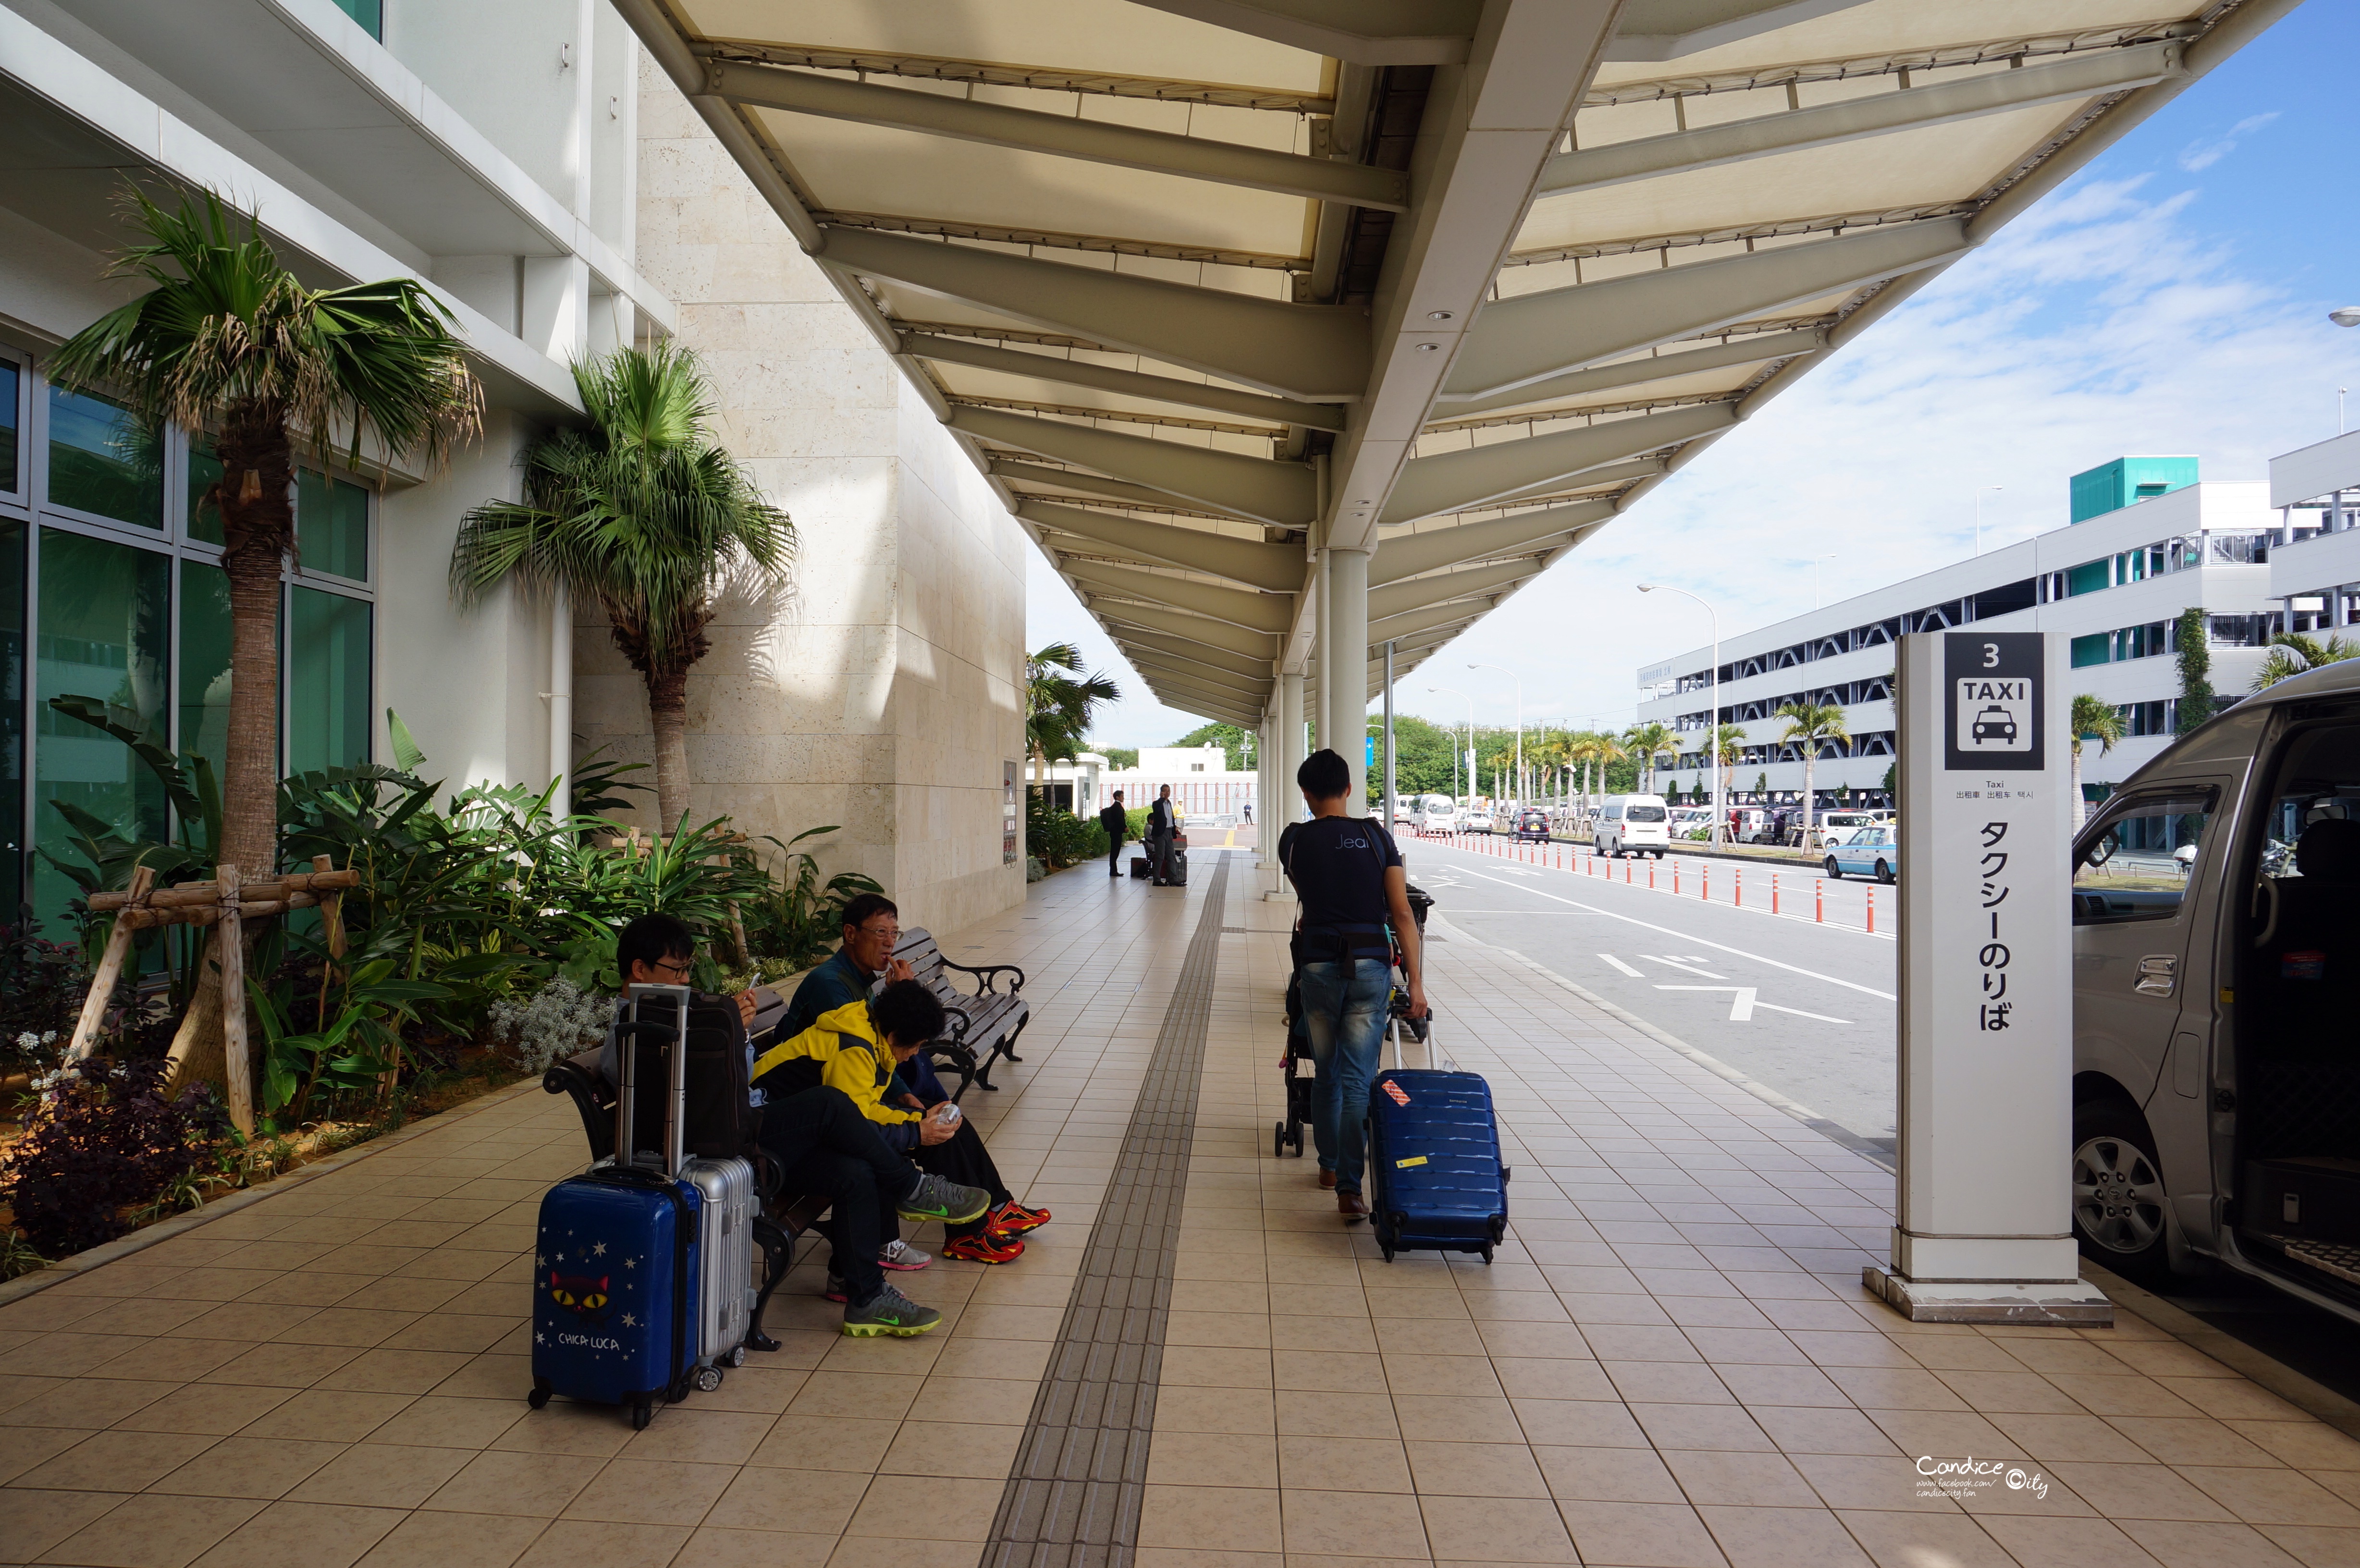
(1672, 1363)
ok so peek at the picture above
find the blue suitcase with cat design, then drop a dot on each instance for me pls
(1436, 1182)
(616, 1260)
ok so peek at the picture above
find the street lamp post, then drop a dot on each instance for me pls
(1519, 680)
(1712, 725)
(1454, 745)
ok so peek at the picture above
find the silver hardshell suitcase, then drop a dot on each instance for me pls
(724, 1189)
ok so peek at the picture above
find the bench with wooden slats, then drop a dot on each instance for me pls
(984, 1022)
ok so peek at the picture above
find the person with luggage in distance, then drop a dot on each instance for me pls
(1162, 826)
(1349, 878)
(825, 1146)
(1116, 821)
(855, 1050)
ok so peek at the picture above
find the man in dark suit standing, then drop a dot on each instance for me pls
(1117, 823)
(1162, 826)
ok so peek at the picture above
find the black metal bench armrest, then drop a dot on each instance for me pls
(983, 973)
(568, 1078)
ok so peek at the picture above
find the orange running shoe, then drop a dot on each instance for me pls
(1012, 1218)
(982, 1247)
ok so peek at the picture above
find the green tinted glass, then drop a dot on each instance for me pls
(104, 619)
(327, 681)
(12, 714)
(205, 473)
(103, 461)
(201, 690)
(331, 526)
(8, 380)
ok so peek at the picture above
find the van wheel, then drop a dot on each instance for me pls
(1834, 870)
(2118, 1194)
(1883, 873)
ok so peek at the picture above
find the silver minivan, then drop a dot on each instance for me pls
(2216, 1000)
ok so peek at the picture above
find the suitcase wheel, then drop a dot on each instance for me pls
(709, 1377)
(1487, 1257)
(540, 1394)
(1387, 1249)
(643, 1410)
(736, 1357)
(678, 1392)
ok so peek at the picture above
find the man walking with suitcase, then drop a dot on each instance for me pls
(1347, 875)
(1116, 821)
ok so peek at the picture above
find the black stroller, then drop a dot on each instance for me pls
(1297, 1066)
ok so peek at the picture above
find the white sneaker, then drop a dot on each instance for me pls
(898, 1254)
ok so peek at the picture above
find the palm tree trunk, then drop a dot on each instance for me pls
(258, 527)
(1811, 755)
(668, 716)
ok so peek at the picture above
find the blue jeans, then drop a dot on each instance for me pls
(1347, 1057)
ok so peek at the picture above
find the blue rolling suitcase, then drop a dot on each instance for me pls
(616, 1270)
(1435, 1183)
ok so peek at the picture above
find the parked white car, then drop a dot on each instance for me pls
(1477, 820)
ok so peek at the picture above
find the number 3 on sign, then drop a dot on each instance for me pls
(1991, 655)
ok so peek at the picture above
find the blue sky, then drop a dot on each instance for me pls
(2172, 298)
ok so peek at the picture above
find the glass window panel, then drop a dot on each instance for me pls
(11, 718)
(203, 674)
(327, 681)
(2136, 866)
(103, 461)
(104, 615)
(331, 526)
(369, 14)
(205, 473)
(9, 377)
(2091, 649)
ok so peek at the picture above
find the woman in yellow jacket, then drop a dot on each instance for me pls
(855, 1048)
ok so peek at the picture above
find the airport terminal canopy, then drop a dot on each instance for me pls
(1203, 285)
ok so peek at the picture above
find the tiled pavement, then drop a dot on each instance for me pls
(1671, 1363)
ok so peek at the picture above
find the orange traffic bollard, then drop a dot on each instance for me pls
(1820, 899)
(1738, 896)
(1774, 892)
(1704, 882)
(1871, 912)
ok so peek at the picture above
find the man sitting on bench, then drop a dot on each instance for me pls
(825, 1146)
(855, 1048)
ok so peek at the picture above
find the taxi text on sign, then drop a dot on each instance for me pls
(1986, 998)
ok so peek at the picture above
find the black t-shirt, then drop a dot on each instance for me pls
(1337, 865)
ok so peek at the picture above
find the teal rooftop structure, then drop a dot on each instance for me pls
(2111, 486)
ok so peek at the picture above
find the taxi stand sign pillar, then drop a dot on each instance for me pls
(1984, 1231)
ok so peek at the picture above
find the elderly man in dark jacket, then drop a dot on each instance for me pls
(1117, 821)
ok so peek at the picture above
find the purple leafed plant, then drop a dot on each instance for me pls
(102, 1138)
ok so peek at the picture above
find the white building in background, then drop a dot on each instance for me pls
(1203, 783)
(2316, 579)
(2147, 540)
(561, 199)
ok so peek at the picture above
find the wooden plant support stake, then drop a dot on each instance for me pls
(332, 914)
(110, 968)
(229, 950)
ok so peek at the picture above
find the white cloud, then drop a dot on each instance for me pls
(2106, 321)
(2204, 152)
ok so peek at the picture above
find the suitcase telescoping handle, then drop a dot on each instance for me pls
(630, 1029)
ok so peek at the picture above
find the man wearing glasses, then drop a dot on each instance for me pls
(863, 966)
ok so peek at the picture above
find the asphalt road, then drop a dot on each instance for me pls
(1800, 1007)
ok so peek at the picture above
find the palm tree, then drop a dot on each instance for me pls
(228, 340)
(2093, 718)
(1729, 746)
(1808, 725)
(1647, 742)
(643, 513)
(1594, 751)
(1058, 706)
(2291, 653)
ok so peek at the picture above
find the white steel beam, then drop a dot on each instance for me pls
(1592, 478)
(1271, 566)
(1204, 676)
(1128, 383)
(1257, 612)
(1364, 32)
(1094, 485)
(1188, 627)
(1257, 488)
(1131, 640)
(1451, 481)
(1532, 337)
(1751, 349)
(1413, 621)
(1059, 135)
(1944, 101)
(1400, 598)
(1486, 132)
(1410, 554)
(1314, 352)
(1235, 706)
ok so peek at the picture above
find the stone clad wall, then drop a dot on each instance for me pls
(879, 692)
